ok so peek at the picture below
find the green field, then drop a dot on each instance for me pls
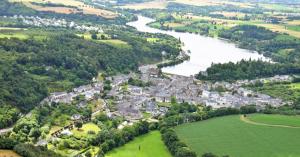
(150, 144)
(231, 136)
(276, 119)
(84, 131)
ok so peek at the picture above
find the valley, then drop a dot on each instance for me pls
(181, 78)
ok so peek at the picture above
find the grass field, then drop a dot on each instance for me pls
(151, 146)
(8, 153)
(276, 119)
(231, 136)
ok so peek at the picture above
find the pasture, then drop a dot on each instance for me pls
(231, 136)
(70, 6)
(293, 121)
(150, 145)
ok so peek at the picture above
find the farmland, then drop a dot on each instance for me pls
(231, 136)
(67, 7)
(150, 145)
(293, 121)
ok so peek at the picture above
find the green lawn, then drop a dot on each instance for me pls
(231, 136)
(151, 146)
(82, 132)
(275, 119)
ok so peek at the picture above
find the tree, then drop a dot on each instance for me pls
(35, 133)
(78, 124)
(185, 152)
(103, 37)
(88, 154)
(94, 36)
(209, 155)
(173, 100)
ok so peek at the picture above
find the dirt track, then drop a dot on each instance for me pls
(246, 120)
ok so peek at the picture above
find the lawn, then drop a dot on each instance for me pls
(82, 132)
(275, 119)
(231, 136)
(150, 144)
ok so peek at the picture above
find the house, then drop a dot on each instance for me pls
(82, 89)
(66, 132)
(76, 117)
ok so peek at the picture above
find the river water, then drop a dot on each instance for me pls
(204, 50)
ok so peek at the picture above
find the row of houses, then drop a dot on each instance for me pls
(88, 91)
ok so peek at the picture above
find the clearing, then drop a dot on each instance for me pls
(87, 129)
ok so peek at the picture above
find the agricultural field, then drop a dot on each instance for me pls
(232, 136)
(67, 7)
(150, 145)
(21, 33)
(283, 120)
(147, 5)
(113, 42)
(162, 4)
(8, 153)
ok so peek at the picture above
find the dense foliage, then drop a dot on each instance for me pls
(28, 150)
(281, 48)
(109, 139)
(246, 70)
(8, 115)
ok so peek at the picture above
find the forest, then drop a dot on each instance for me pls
(246, 70)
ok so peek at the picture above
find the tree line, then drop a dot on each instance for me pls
(250, 69)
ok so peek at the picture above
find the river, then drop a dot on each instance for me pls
(204, 50)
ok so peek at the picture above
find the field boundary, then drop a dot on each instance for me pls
(246, 120)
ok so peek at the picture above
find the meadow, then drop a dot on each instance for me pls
(293, 121)
(231, 136)
(150, 145)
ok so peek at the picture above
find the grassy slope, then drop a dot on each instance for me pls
(230, 136)
(151, 146)
(276, 119)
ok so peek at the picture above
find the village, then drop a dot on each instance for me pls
(54, 22)
(132, 102)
